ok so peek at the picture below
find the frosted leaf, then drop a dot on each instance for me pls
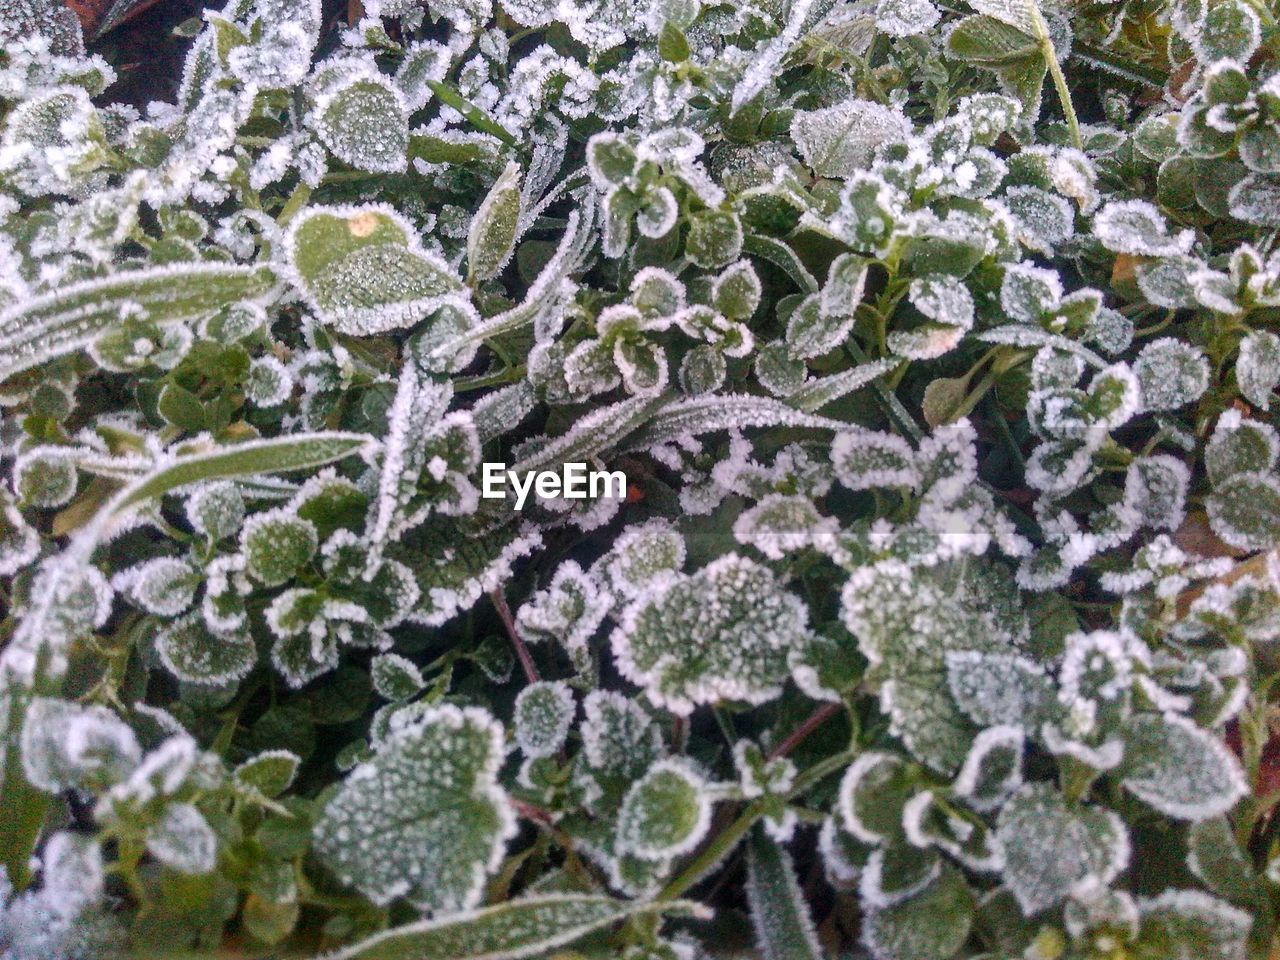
(183, 840)
(364, 270)
(943, 299)
(1240, 446)
(642, 555)
(839, 140)
(907, 621)
(395, 677)
(1043, 219)
(906, 18)
(658, 213)
(1179, 769)
(494, 228)
(702, 370)
(1166, 282)
(779, 372)
(993, 769)
(543, 714)
(423, 61)
(780, 524)
(45, 477)
(276, 543)
(1171, 373)
(1256, 199)
(425, 817)
(735, 292)
(1156, 487)
(866, 459)
(192, 653)
(66, 745)
(1051, 849)
(897, 872)
(875, 788)
(164, 586)
(1230, 31)
(820, 391)
(269, 773)
(364, 123)
(1244, 510)
(568, 611)
(1258, 367)
(658, 293)
(47, 18)
(71, 873)
(53, 142)
(19, 541)
(933, 924)
(215, 510)
(666, 813)
(930, 823)
(714, 239)
(999, 689)
(611, 159)
(270, 383)
(811, 333)
(846, 280)
(1137, 227)
(1027, 292)
(744, 621)
(618, 737)
(1190, 923)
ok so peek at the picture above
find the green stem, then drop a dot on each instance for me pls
(1059, 79)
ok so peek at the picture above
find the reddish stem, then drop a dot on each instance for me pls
(508, 622)
(798, 735)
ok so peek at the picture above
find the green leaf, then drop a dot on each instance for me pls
(715, 238)
(665, 814)
(303, 451)
(931, 925)
(35, 331)
(492, 235)
(839, 140)
(672, 45)
(182, 408)
(425, 818)
(270, 773)
(365, 124)
(1179, 769)
(1051, 847)
(528, 927)
(779, 913)
(364, 269)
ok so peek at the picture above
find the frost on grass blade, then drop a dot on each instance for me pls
(525, 927)
(784, 929)
(37, 330)
(696, 415)
(425, 817)
(364, 270)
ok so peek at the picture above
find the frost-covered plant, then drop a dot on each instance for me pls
(938, 342)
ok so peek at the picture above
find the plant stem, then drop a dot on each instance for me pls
(509, 624)
(800, 733)
(1059, 80)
